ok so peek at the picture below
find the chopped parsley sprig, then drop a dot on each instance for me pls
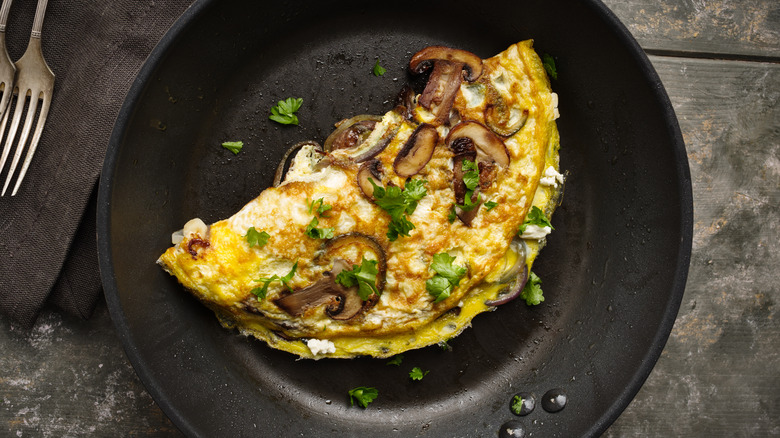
(364, 276)
(261, 291)
(417, 373)
(233, 146)
(535, 217)
(447, 276)
(471, 180)
(362, 395)
(318, 233)
(532, 291)
(400, 204)
(284, 111)
(549, 66)
(378, 69)
(256, 238)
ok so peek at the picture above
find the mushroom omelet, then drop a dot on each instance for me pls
(401, 228)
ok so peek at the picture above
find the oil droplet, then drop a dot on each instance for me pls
(554, 400)
(512, 429)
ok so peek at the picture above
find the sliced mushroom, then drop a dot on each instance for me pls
(489, 146)
(448, 72)
(340, 303)
(405, 102)
(370, 169)
(417, 151)
(503, 119)
(423, 59)
(351, 132)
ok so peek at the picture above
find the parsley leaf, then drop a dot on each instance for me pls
(490, 205)
(396, 360)
(262, 291)
(471, 180)
(444, 345)
(233, 146)
(417, 373)
(364, 276)
(362, 395)
(447, 276)
(378, 69)
(535, 217)
(451, 215)
(517, 405)
(318, 233)
(549, 66)
(399, 204)
(286, 279)
(532, 291)
(322, 207)
(256, 238)
(284, 111)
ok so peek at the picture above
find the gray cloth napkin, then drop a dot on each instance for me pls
(47, 231)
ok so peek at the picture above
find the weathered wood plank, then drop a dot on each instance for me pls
(720, 27)
(718, 375)
(67, 377)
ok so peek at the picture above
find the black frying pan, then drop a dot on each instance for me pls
(614, 271)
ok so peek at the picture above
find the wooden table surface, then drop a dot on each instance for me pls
(719, 375)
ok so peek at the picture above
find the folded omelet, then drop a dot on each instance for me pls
(402, 228)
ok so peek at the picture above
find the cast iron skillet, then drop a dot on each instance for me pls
(614, 270)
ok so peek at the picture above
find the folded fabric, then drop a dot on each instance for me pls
(47, 231)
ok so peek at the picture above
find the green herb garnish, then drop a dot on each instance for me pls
(364, 276)
(532, 291)
(399, 204)
(318, 233)
(262, 291)
(452, 215)
(362, 395)
(549, 66)
(535, 217)
(378, 69)
(233, 146)
(256, 238)
(471, 180)
(447, 276)
(417, 373)
(321, 208)
(490, 205)
(284, 111)
(396, 360)
(517, 405)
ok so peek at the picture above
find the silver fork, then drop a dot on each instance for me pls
(7, 69)
(34, 80)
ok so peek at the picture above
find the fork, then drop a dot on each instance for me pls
(7, 69)
(34, 80)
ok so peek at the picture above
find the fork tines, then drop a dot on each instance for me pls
(33, 87)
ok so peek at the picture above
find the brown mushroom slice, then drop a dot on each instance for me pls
(324, 291)
(448, 72)
(370, 169)
(505, 120)
(351, 132)
(417, 151)
(333, 246)
(488, 145)
(423, 59)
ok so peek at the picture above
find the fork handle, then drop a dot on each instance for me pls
(40, 11)
(4, 10)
